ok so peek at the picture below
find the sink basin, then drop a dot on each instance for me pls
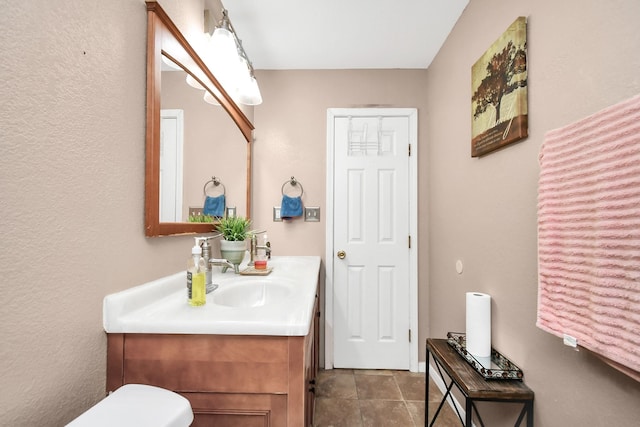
(252, 293)
(278, 304)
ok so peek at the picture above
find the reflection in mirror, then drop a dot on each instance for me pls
(200, 140)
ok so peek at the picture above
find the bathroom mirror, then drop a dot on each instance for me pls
(216, 138)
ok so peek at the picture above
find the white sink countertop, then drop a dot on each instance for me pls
(279, 304)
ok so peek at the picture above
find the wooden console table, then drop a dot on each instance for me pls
(473, 386)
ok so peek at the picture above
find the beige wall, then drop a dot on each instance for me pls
(72, 129)
(583, 56)
(290, 139)
(72, 171)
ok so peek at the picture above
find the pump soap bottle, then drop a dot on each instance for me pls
(196, 276)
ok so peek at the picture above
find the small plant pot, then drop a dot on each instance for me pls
(233, 251)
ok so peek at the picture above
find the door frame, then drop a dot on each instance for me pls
(412, 114)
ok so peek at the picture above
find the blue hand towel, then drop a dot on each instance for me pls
(214, 206)
(290, 207)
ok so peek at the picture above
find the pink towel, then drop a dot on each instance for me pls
(589, 233)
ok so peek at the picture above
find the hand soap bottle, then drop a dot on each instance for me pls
(196, 271)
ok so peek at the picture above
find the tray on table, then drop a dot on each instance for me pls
(499, 367)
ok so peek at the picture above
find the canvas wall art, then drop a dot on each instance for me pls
(499, 92)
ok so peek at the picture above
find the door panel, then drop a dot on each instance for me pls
(371, 224)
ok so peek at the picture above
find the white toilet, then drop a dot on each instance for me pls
(138, 405)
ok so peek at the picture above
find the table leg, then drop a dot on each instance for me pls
(426, 394)
(444, 398)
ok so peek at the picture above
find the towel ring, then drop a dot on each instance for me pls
(216, 182)
(293, 182)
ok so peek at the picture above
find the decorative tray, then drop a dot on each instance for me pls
(251, 271)
(498, 368)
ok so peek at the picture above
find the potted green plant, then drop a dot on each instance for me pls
(235, 231)
(234, 228)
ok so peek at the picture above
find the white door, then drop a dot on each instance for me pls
(171, 146)
(372, 224)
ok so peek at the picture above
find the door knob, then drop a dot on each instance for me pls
(342, 254)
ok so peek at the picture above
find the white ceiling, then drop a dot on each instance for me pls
(343, 34)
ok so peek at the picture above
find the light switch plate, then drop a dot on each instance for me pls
(195, 211)
(276, 214)
(312, 214)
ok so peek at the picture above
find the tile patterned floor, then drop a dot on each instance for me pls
(366, 398)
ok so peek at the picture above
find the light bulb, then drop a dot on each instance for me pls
(250, 93)
(194, 83)
(210, 98)
(169, 63)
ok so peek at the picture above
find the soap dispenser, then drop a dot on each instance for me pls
(196, 276)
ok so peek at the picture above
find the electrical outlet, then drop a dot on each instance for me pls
(312, 214)
(570, 341)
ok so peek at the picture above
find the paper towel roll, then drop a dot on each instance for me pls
(478, 333)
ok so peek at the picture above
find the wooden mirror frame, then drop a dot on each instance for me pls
(161, 35)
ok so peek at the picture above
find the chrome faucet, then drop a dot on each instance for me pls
(255, 247)
(222, 263)
(206, 254)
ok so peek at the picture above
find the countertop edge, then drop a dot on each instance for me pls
(132, 322)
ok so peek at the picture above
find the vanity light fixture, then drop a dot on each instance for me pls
(250, 93)
(231, 65)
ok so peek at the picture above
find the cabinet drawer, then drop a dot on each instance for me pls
(208, 363)
(233, 410)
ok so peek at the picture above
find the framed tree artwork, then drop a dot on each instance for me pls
(499, 92)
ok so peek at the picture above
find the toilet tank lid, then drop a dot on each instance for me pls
(138, 405)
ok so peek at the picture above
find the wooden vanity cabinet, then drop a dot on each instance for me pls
(230, 380)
